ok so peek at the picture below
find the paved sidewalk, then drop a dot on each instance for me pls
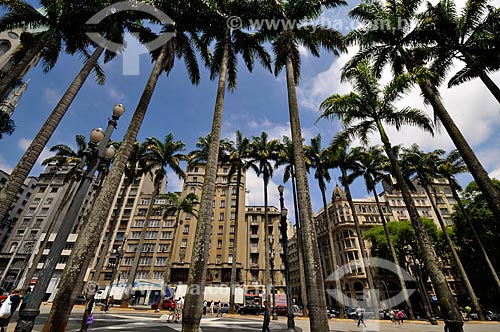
(302, 324)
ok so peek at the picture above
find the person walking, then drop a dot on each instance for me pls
(267, 318)
(392, 316)
(205, 303)
(400, 316)
(218, 309)
(211, 307)
(26, 298)
(11, 303)
(88, 315)
(360, 313)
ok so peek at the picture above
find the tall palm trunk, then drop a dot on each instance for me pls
(449, 308)
(338, 287)
(168, 265)
(394, 256)
(90, 233)
(456, 258)
(469, 60)
(474, 232)
(14, 75)
(193, 306)
(364, 254)
(135, 264)
(21, 171)
(267, 249)
(234, 252)
(300, 258)
(491, 194)
(312, 265)
(112, 225)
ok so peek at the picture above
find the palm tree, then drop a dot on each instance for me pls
(464, 36)
(285, 43)
(159, 156)
(7, 125)
(424, 165)
(320, 160)
(90, 233)
(262, 153)
(228, 44)
(371, 165)
(61, 28)
(448, 167)
(285, 157)
(364, 111)
(237, 157)
(200, 155)
(135, 168)
(345, 159)
(174, 206)
(393, 45)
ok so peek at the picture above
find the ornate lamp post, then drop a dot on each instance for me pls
(119, 254)
(284, 238)
(271, 262)
(96, 154)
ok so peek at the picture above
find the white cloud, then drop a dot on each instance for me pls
(52, 96)
(174, 184)
(114, 94)
(4, 165)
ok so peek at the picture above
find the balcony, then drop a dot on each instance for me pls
(254, 266)
(254, 236)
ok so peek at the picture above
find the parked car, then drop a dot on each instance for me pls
(492, 316)
(281, 310)
(168, 304)
(80, 299)
(225, 307)
(251, 309)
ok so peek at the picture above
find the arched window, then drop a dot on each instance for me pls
(13, 247)
(4, 46)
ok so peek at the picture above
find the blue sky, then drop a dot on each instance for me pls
(259, 104)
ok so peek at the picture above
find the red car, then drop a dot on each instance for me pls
(167, 305)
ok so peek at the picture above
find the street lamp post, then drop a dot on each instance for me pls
(284, 238)
(96, 153)
(271, 261)
(119, 254)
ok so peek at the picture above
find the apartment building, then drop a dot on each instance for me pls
(22, 198)
(346, 243)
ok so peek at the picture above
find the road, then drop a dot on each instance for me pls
(134, 320)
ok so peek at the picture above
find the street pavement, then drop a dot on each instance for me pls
(128, 320)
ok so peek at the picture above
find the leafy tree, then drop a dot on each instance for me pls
(285, 44)
(174, 206)
(320, 160)
(237, 158)
(262, 153)
(448, 167)
(488, 230)
(159, 156)
(393, 43)
(364, 111)
(372, 164)
(424, 165)
(7, 125)
(465, 36)
(223, 63)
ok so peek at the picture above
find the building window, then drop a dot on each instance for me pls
(54, 189)
(222, 204)
(188, 215)
(219, 243)
(136, 235)
(233, 215)
(142, 212)
(157, 275)
(234, 190)
(139, 223)
(145, 201)
(231, 243)
(184, 243)
(148, 248)
(49, 201)
(232, 228)
(145, 261)
(223, 192)
(166, 235)
(31, 211)
(218, 259)
(221, 216)
(154, 223)
(230, 259)
(161, 261)
(196, 169)
(186, 229)
(26, 222)
(221, 230)
(233, 203)
(168, 223)
(132, 248)
(142, 275)
(444, 211)
(224, 170)
(163, 247)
